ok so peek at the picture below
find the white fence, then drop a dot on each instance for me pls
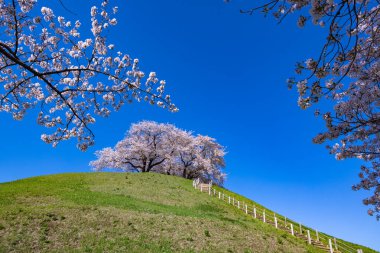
(311, 236)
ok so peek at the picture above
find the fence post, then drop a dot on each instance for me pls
(335, 244)
(285, 221)
(254, 212)
(275, 221)
(238, 204)
(264, 215)
(201, 188)
(233, 201)
(246, 209)
(219, 195)
(291, 229)
(300, 228)
(330, 246)
(214, 191)
(308, 237)
(316, 232)
(229, 200)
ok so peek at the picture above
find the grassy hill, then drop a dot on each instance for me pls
(119, 212)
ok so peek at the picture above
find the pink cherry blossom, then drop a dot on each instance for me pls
(346, 73)
(47, 64)
(162, 148)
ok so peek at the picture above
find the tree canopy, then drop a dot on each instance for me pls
(156, 147)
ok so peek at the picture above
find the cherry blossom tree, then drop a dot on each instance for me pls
(46, 62)
(146, 146)
(210, 159)
(155, 147)
(197, 157)
(184, 156)
(346, 72)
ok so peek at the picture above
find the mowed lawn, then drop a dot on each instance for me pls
(128, 212)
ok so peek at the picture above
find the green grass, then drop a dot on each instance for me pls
(119, 212)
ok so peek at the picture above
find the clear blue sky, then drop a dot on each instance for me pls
(226, 71)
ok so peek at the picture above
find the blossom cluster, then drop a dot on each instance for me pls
(162, 148)
(346, 73)
(46, 62)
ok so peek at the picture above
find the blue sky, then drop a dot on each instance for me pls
(226, 72)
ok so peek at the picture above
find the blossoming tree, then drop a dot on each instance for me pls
(345, 72)
(45, 61)
(145, 146)
(153, 147)
(196, 157)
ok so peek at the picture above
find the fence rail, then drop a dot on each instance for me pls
(311, 236)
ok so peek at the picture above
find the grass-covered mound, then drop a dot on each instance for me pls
(118, 212)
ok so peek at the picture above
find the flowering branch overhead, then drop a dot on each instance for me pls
(346, 72)
(45, 62)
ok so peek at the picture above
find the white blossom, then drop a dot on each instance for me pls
(47, 63)
(152, 147)
(346, 75)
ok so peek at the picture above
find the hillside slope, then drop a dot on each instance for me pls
(119, 212)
